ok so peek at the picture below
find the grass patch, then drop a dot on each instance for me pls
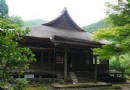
(122, 85)
(36, 88)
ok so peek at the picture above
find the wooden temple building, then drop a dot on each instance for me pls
(63, 49)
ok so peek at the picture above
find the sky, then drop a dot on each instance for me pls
(83, 12)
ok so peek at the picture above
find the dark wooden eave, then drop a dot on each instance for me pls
(75, 42)
(63, 42)
(64, 21)
(29, 41)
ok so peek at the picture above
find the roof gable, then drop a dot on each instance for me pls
(64, 21)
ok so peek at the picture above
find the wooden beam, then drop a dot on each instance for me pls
(38, 48)
(65, 65)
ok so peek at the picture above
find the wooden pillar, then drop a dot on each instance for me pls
(95, 69)
(65, 65)
(49, 59)
(71, 58)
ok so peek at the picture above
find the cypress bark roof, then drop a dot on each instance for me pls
(43, 31)
(64, 21)
(63, 26)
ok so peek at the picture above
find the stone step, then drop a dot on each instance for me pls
(73, 77)
(75, 81)
(60, 78)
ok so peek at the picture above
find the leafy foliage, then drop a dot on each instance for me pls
(116, 64)
(119, 14)
(13, 58)
(125, 63)
(96, 26)
(21, 83)
(16, 20)
(119, 39)
(122, 64)
(3, 8)
(4, 14)
(118, 36)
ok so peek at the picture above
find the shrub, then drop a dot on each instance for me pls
(21, 83)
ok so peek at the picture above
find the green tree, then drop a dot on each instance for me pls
(119, 14)
(125, 63)
(16, 20)
(118, 38)
(4, 14)
(3, 8)
(118, 35)
(13, 58)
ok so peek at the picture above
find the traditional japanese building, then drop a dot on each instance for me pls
(63, 48)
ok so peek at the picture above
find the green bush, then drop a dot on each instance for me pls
(4, 86)
(21, 83)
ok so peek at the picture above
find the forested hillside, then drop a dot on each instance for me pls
(95, 26)
(34, 22)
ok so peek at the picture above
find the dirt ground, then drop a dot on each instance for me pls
(123, 86)
(114, 87)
